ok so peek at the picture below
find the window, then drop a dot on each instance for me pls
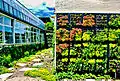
(17, 38)
(1, 28)
(32, 37)
(8, 29)
(15, 12)
(7, 21)
(28, 34)
(35, 37)
(8, 37)
(1, 34)
(23, 37)
(6, 7)
(22, 28)
(19, 32)
(11, 9)
(38, 35)
(1, 19)
(42, 37)
(28, 37)
(18, 14)
(1, 4)
(8, 34)
(21, 15)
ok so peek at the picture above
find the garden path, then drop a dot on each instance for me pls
(41, 61)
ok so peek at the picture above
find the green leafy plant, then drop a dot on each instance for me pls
(112, 35)
(26, 59)
(62, 34)
(87, 35)
(65, 53)
(73, 76)
(4, 70)
(5, 60)
(91, 61)
(73, 52)
(114, 21)
(72, 59)
(100, 36)
(26, 53)
(49, 26)
(65, 60)
(75, 19)
(101, 20)
(42, 73)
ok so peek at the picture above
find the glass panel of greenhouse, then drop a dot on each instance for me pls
(19, 25)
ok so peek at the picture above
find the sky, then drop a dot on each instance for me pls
(37, 3)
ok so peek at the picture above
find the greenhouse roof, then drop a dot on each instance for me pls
(94, 6)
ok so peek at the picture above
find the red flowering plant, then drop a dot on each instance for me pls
(75, 32)
(62, 20)
(62, 35)
(88, 20)
(61, 47)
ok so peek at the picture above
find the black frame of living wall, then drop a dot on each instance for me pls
(94, 28)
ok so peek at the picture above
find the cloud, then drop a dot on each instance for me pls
(36, 3)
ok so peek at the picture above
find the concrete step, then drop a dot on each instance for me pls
(3, 77)
(26, 69)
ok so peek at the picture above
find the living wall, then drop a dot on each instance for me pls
(88, 43)
(50, 33)
(8, 54)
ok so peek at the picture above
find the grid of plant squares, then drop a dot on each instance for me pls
(88, 43)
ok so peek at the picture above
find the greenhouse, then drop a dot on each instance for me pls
(18, 25)
(87, 40)
(22, 35)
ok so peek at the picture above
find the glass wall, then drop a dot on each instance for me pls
(11, 29)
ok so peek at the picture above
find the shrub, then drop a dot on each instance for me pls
(8, 54)
(26, 53)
